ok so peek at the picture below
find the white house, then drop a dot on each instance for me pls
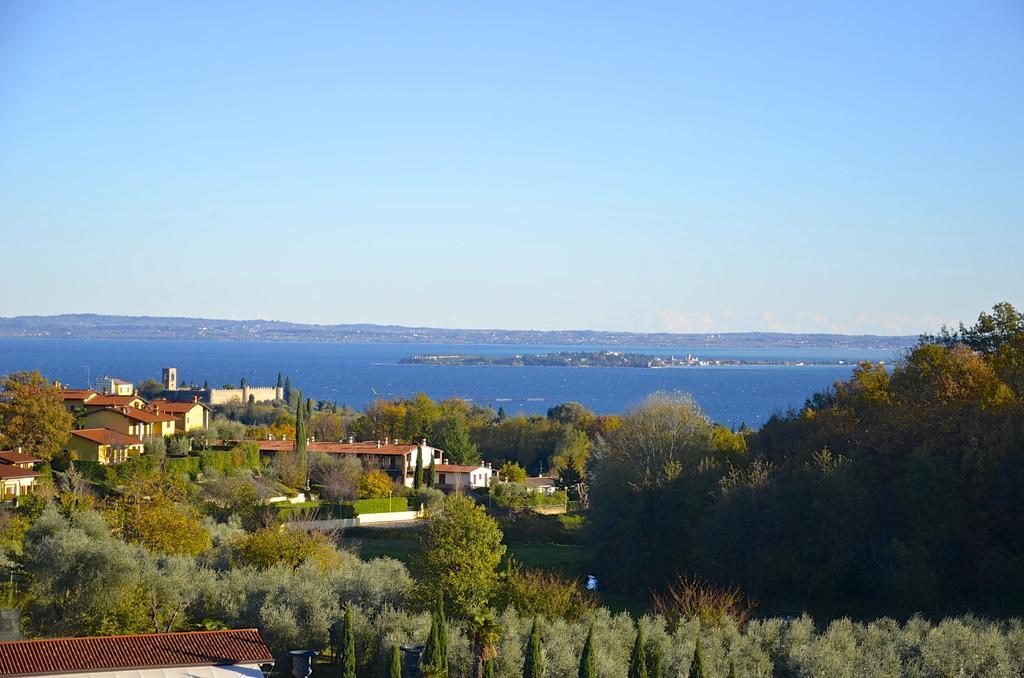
(541, 484)
(460, 477)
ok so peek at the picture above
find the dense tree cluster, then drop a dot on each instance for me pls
(894, 492)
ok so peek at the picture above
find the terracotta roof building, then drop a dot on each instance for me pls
(198, 654)
(103, 445)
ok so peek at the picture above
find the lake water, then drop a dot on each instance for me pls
(356, 373)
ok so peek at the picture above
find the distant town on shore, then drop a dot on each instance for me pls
(95, 326)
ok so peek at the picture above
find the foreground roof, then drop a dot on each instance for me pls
(151, 650)
(104, 436)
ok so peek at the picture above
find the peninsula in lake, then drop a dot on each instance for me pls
(596, 359)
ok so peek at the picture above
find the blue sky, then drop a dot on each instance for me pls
(822, 166)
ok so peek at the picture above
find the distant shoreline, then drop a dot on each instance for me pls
(91, 326)
(603, 359)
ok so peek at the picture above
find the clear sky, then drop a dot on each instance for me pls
(821, 166)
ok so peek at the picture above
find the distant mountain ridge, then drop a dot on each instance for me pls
(94, 326)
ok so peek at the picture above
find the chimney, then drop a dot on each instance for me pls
(423, 442)
(378, 444)
(351, 440)
(302, 663)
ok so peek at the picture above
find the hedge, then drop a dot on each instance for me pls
(348, 509)
(382, 505)
(189, 465)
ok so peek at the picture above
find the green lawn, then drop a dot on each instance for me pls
(568, 559)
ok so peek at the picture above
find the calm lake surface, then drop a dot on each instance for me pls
(356, 373)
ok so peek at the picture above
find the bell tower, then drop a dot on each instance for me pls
(169, 376)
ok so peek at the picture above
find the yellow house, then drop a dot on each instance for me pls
(132, 421)
(188, 416)
(103, 445)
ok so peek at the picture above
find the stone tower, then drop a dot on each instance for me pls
(169, 376)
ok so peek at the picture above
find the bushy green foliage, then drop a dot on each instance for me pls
(916, 464)
(459, 553)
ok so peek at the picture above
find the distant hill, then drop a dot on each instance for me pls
(92, 326)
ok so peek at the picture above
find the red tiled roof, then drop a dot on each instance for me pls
(104, 436)
(322, 447)
(455, 468)
(15, 457)
(113, 400)
(171, 406)
(136, 414)
(8, 472)
(361, 448)
(76, 393)
(152, 650)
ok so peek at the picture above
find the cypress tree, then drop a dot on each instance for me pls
(588, 665)
(697, 667)
(489, 668)
(638, 658)
(279, 383)
(417, 478)
(435, 654)
(656, 659)
(300, 441)
(206, 384)
(288, 390)
(533, 664)
(348, 647)
(732, 668)
(395, 663)
(432, 474)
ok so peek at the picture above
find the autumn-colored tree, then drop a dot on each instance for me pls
(33, 416)
(271, 546)
(374, 485)
(153, 511)
(511, 472)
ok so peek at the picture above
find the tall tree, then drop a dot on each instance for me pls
(348, 647)
(395, 663)
(588, 663)
(301, 441)
(459, 554)
(417, 478)
(533, 663)
(432, 473)
(732, 668)
(482, 630)
(288, 390)
(489, 669)
(638, 658)
(456, 442)
(656, 662)
(697, 665)
(280, 384)
(32, 415)
(435, 655)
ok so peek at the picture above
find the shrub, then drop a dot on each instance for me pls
(374, 485)
(692, 598)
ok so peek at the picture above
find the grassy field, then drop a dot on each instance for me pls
(568, 559)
